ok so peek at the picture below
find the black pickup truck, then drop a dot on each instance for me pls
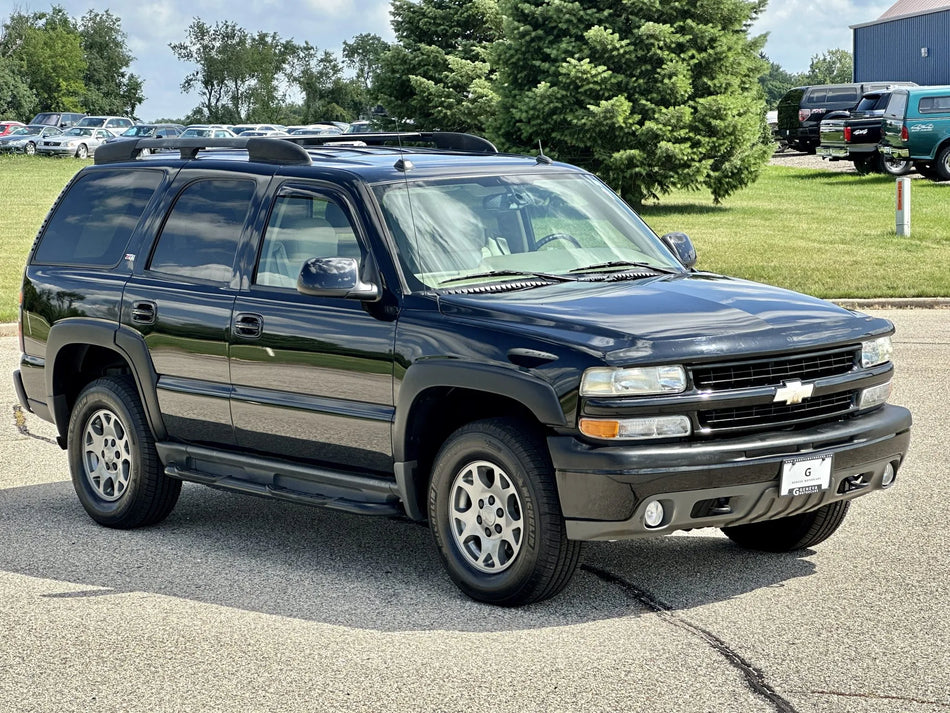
(418, 325)
(854, 136)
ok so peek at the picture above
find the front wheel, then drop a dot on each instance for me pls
(941, 165)
(112, 458)
(495, 515)
(82, 151)
(788, 534)
(29, 149)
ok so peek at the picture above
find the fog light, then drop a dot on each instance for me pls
(889, 475)
(653, 514)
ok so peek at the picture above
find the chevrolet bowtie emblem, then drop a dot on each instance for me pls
(793, 392)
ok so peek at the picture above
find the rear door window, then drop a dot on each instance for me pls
(94, 221)
(201, 234)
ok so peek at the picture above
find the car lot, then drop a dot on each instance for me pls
(236, 603)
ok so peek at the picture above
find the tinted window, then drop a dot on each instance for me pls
(896, 106)
(201, 234)
(842, 95)
(302, 227)
(933, 105)
(93, 222)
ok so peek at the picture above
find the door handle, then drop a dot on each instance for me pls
(248, 326)
(144, 312)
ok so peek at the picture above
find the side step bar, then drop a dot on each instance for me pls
(281, 480)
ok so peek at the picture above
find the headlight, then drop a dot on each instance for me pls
(636, 428)
(876, 352)
(633, 381)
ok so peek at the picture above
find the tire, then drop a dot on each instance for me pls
(896, 166)
(125, 486)
(866, 164)
(145, 152)
(788, 534)
(941, 164)
(82, 151)
(29, 149)
(523, 555)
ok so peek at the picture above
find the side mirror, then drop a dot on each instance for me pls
(338, 277)
(682, 247)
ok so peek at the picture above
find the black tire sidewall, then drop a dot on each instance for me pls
(456, 454)
(941, 165)
(100, 395)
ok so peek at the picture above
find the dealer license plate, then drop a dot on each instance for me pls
(805, 475)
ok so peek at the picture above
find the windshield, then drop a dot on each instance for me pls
(24, 130)
(446, 230)
(139, 131)
(78, 131)
(91, 121)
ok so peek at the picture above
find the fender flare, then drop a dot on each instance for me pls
(536, 395)
(124, 341)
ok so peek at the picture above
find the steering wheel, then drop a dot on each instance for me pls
(557, 236)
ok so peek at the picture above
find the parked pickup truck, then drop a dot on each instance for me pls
(854, 136)
(916, 128)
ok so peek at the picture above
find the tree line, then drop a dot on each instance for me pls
(650, 95)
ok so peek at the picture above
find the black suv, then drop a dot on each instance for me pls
(414, 324)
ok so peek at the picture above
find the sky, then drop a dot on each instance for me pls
(798, 30)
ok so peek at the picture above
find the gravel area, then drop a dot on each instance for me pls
(804, 160)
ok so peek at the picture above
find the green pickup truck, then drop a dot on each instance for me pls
(917, 128)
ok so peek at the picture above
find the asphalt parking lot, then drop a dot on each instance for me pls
(241, 604)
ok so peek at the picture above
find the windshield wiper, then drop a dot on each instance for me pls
(624, 264)
(510, 273)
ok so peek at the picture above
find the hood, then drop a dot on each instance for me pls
(669, 318)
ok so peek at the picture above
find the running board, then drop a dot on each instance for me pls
(281, 480)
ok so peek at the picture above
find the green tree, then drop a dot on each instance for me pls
(836, 66)
(776, 82)
(110, 87)
(438, 74)
(650, 95)
(46, 49)
(363, 55)
(17, 100)
(327, 94)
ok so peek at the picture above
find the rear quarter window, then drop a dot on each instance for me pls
(934, 105)
(94, 220)
(896, 106)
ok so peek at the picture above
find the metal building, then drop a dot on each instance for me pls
(910, 42)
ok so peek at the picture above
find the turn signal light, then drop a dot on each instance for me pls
(904, 135)
(847, 133)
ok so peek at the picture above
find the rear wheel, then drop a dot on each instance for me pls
(866, 164)
(788, 534)
(941, 164)
(112, 458)
(495, 515)
(896, 166)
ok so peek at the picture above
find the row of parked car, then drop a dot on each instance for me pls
(880, 127)
(70, 134)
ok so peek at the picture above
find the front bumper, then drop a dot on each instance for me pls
(58, 150)
(604, 490)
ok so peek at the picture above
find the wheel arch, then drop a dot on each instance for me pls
(436, 399)
(81, 350)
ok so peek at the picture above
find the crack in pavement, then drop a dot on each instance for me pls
(19, 419)
(754, 678)
(878, 697)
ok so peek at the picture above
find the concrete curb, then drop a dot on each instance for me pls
(9, 329)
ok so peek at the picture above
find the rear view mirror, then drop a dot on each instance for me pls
(682, 247)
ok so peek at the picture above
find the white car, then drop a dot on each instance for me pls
(79, 141)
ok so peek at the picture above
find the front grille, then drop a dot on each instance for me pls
(772, 372)
(772, 415)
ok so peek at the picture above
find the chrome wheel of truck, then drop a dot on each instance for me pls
(896, 166)
(941, 165)
(495, 514)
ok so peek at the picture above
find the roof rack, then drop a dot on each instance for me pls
(260, 149)
(443, 140)
(290, 149)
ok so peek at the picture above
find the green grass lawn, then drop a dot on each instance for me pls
(826, 233)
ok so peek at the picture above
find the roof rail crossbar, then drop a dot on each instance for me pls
(260, 149)
(443, 140)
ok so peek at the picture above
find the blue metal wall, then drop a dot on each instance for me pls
(890, 51)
